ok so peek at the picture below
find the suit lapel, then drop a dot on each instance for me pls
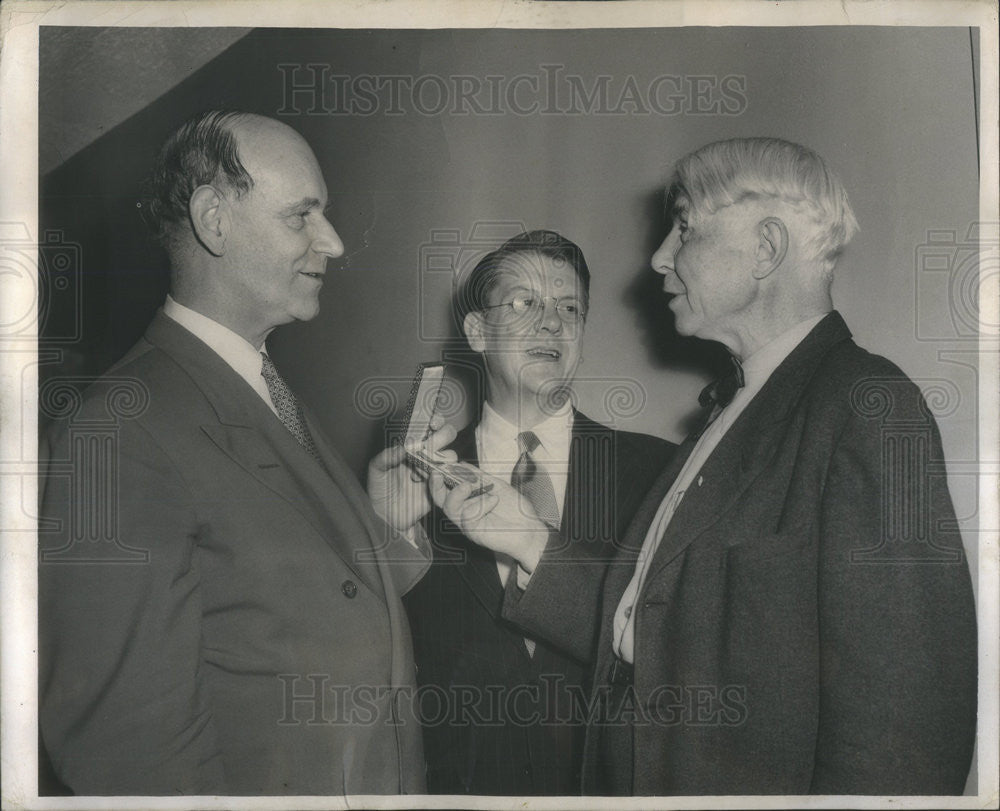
(736, 461)
(479, 568)
(250, 434)
(622, 567)
(746, 448)
(644, 515)
(583, 510)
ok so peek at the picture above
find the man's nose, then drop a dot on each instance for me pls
(549, 318)
(662, 260)
(327, 240)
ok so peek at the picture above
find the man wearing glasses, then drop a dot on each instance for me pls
(502, 712)
(793, 613)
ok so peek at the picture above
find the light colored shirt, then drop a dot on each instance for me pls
(756, 371)
(496, 447)
(236, 351)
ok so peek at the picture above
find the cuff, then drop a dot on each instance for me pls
(416, 536)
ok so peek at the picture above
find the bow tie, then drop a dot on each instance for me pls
(721, 392)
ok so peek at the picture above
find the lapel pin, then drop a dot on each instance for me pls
(700, 480)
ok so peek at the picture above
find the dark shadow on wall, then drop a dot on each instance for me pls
(92, 204)
(463, 390)
(93, 200)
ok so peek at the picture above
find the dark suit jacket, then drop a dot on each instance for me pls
(496, 720)
(807, 624)
(251, 642)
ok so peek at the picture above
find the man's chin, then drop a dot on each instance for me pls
(550, 395)
(305, 312)
(684, 324)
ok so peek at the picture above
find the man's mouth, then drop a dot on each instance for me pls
(317, 276)
(544, 353)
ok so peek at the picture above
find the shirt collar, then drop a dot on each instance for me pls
(761, 364)
(498, 435)
(235, 350)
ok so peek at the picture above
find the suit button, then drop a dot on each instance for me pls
(350, 588)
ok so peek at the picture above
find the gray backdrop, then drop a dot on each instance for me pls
(569, 130)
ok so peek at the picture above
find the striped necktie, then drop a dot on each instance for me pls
(288, 407)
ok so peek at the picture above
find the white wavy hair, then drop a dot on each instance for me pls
(727, 172)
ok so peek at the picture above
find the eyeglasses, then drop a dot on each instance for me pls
(570, 310)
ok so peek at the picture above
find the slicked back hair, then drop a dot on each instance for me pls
(202, 151)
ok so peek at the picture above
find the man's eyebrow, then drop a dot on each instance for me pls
(305, 204)
(680, 208)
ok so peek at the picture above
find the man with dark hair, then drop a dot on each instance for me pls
(473, 295)
(792, 612)
(509, 712)
(252, 640)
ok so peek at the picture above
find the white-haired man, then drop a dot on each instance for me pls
(793, 613)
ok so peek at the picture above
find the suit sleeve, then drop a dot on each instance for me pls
(123, 706)
(402, 561)
(896, 614)
(561, 602)
(406, 561)
(563, 598)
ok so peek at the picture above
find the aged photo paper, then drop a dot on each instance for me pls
(442, 129)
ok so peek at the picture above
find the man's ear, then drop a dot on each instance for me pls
(209, 218)
(772, 245)
(474, 328)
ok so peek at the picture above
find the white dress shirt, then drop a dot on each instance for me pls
(756, 370)
(240, 354)
(496, 447)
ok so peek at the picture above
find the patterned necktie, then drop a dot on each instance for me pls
(533, 482)
(288, 407)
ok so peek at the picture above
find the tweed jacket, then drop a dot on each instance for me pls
(807, 623)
